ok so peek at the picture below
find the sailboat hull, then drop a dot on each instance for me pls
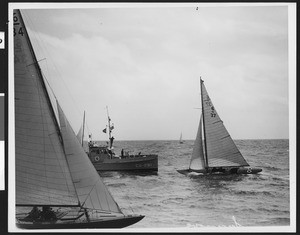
(104, 223)
(232, 171)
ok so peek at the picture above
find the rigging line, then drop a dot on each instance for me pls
(70, 191)
(33, 31)
(106, 198)
(111, 197)
(89, 194)
(55, 66)
(45, 78)
(41, 91)
(36, 62)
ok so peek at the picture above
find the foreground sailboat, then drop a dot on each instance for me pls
(53, 173)
(220, 155)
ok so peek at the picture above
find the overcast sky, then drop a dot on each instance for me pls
(144, 63)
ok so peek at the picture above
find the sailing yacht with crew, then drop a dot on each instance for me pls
(53, 173)
(215, 152)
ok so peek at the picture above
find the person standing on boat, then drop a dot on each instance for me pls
(109, 152)
(90, 141)
(122, 153)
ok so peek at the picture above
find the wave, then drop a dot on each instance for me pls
(252, 192)
(272, 168)
(115, 185)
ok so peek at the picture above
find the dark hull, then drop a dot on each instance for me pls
(105, 223)
(147, 163)
(239, 171)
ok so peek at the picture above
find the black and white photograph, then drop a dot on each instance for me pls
(152, 117)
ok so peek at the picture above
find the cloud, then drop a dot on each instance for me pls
(145, 65)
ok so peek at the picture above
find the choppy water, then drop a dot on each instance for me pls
(170, 199)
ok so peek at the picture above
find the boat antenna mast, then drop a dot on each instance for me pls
(110, 128)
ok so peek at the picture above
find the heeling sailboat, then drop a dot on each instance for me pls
(218, 154)
(52, 169)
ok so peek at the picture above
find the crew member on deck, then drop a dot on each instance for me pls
(48, 214)
(34, 214)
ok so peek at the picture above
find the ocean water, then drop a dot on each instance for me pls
(169, 199)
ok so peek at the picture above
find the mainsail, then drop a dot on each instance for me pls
(221, 151)
(42, 174)
(197, 161)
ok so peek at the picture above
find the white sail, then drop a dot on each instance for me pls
(197, 160)
(220, 148)
(42, 175)
(79, 135)
(180, 138)
(90, 189)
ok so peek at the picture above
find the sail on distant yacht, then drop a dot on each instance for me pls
(180, 139)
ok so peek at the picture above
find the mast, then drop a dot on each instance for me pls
(109, 130)
(202, 105)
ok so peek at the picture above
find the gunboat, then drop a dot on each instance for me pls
(104, 158)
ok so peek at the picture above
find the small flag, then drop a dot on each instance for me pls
(104, 130)
(112, 127)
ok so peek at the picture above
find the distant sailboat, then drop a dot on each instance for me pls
(180, 139)
(217, 154)
(52, 169)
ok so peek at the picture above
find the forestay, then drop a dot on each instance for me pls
(42, 174)
(221, 150)
(197, 161)
(90, 189)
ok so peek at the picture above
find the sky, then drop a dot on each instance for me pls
(145, 63)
